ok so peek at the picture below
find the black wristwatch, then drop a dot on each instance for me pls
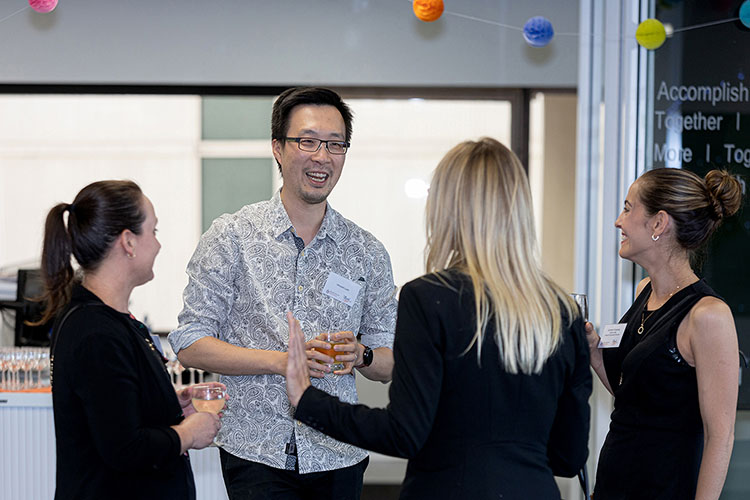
(366, 357)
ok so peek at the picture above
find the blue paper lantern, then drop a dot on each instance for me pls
(538, 31)
(745, 13)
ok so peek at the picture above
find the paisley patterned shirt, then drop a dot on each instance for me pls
(244, 276)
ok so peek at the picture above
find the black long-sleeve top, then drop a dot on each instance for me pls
(468, 430)
(113, 407)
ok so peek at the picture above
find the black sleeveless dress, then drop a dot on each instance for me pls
(655, 442)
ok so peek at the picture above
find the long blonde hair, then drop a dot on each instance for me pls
(480, 222)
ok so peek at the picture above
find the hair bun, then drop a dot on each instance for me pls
(725, 192)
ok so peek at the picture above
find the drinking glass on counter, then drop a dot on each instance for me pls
(17, 367)
(42, 363)
(4, 365)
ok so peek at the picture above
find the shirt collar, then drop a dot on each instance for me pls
(278, 218)
(332, 227)
(82, 294)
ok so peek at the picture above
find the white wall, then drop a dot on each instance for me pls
(283, 42)
(52, 146)
(398, 140)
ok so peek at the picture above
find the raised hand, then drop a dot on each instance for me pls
(297, 371)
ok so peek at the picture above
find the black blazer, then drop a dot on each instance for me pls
(469, 431)
(113, 405)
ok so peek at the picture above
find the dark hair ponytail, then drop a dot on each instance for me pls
(56, 267)
(100, 212)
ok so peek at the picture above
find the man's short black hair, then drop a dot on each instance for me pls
(299, 96)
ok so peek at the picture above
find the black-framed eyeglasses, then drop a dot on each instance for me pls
(311, 145)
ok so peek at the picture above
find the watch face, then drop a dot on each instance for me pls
(367, 356)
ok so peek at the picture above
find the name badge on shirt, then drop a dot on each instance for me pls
(611, 335)
(341, 289)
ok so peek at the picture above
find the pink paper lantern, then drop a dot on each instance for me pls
(43, 6)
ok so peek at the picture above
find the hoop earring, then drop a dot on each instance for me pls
(655, 237)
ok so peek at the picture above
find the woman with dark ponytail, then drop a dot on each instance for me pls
(121, 430)
(675, 372)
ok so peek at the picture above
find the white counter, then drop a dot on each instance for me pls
(27, 463)
(27, 444)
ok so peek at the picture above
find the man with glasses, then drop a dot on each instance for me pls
(291, 253)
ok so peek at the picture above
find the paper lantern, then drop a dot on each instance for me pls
(651, 34)
(43, 6)
(745, 13)
(538, 31)
(428, 10)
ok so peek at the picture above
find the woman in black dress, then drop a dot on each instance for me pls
(674, 375)
(489, 397)
(121, 430)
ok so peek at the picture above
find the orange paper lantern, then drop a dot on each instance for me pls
(428, 10)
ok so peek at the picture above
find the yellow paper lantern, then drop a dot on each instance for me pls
(428, 10)
(651, 34)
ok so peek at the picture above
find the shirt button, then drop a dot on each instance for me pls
(299, 288)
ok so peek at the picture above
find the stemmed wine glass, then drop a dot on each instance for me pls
(4, 365)
(41, 362)
(15, 366)
(27, 365)
(583, 304)
(208, 398)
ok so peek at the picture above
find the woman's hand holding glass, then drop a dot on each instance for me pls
(202, 406)
(582, 300)
(593, 339)
(198, 430)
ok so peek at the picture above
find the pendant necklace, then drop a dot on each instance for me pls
(644, 317)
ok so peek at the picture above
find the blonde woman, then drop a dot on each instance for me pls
(490, 387)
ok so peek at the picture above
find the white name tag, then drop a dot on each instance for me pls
(611, 335)
(341, 289)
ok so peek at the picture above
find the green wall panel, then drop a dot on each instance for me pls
(230, 183)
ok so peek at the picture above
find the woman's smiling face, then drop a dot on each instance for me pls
(633, 223)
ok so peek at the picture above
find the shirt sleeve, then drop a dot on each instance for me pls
(380, 304)
(106, 379)
(402, 428)
(567, 448)
(208, 296)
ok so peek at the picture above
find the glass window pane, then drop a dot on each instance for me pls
(236, 118)
(396, 145)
